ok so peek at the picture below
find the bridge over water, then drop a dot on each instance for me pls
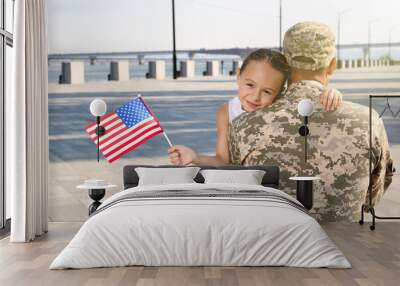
(242, 52)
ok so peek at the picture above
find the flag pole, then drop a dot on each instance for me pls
(151, 112)
(166, 137)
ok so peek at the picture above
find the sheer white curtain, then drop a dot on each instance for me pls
(27, 123)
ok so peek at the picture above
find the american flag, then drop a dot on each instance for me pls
(128, 127)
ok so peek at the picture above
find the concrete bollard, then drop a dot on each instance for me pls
(187, 69)
(119, 70)
(72, 72)
(349, 64)
(235, 67)
(212, 68)
(156, 70)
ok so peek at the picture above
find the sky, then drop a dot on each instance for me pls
(76, 26)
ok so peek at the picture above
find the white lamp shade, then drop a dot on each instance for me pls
(98, 107)
(305, 107)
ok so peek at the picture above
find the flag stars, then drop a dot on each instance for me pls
(133, 112)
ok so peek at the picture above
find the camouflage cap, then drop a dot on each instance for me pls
(309, 46)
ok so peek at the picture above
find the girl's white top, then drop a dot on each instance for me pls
(235, 108)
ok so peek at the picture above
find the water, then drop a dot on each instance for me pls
(100, 70)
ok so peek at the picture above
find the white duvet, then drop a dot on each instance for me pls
(200, 231)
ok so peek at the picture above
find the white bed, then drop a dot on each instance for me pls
(225, 225)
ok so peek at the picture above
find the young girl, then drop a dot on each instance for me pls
(260, 81)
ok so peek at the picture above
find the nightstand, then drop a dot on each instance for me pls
(304, 191)
(96, 191)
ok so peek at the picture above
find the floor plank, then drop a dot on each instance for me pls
(374, 255)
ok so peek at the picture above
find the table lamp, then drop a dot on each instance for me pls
(98, 108)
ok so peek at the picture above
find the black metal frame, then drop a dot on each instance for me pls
(370, 208)
(6, 39)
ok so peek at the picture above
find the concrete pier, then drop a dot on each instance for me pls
(212, 68)
(236, 65)
(340, 64)
(187, 68)
(72, 72)
(156, 70)
(349, 64)
(119, 70)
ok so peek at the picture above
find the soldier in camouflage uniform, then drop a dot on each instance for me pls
(338, 143)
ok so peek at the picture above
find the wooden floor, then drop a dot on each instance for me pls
(375, 257)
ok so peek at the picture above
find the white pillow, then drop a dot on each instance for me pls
(249, 177)
(164, 176)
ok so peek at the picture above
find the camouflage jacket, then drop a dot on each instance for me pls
(338, 150)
